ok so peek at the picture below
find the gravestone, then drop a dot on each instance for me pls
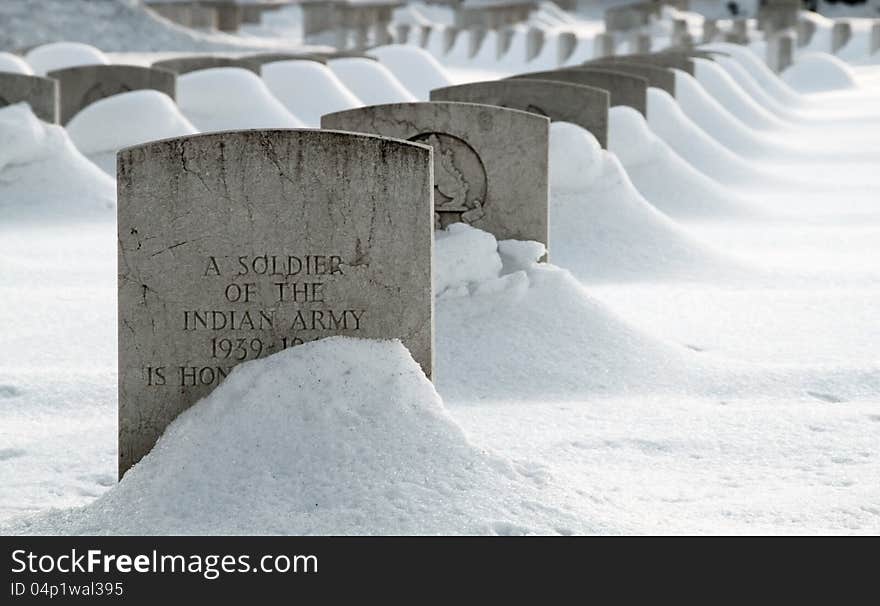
(535, 40)
(40, 93)
(874, 40)
(256, 62)
(228, 13)
(780, 50)
(566, 44)
(235, 245)
(658, 77)
(561, 102)
(185, 65)
(841, 32)
(81, 86)
(490, 163)
(806, 29)
(476, 36)
(625, 89)
(710, 30)
(603, 45)
(666, 59)
(639, 42)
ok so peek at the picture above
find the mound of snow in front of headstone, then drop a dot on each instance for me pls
(42, 174)
(108, 125)
(13, 64)
(339, 436)
(308, 89)
(661, 175)
(230, 98)
(414, 67)
(372, 82)
(60, 55)
(604, 230)
(818, 72)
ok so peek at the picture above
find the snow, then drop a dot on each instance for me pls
(59, 55)
(292, 439)
(106, 126)
(414, 68)
(42, 174)
(14, 64)
(817, 72)
(289, 80)
(371, 82)
(229, 98)
(698, 353)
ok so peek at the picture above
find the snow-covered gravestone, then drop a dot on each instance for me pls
(625, 89)
(235, 245)
(490, 163)
(83, 85)
(40, 93)
(584, 106)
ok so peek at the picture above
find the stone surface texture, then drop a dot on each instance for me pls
(40, 93)
(490, 163)
(81, 86)
(561, 102)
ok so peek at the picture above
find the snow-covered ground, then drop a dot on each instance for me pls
(699, 355)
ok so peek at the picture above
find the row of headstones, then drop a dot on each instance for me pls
(236, 245)
(355, 25)
(223, 15)
(360, 25)
(63, 93)
(567, 42)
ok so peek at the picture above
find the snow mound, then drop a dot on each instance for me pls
(42, 175)
(308, 89)
(700, 150)
(818, 72)
(414, 67)
(58, 55)
(575, 158)
(106, 126)
(339, 436)
(662, 176)
(721, 85)
(246, 101)
(605, 231)
(370, 81)
(14, 64)
(463, 255)
(765, 77)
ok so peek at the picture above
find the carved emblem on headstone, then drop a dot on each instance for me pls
(459, 179)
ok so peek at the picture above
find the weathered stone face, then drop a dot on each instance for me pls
(81, 86)
(560, 101)
(40, 93)
(658, 77)
(233, 246)
(674, 60)
(625, 89)
(192, 63)
(490, 163)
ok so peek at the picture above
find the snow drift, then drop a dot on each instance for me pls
(370, 81)
(308, 89)
(42, 175)
(106, 126)
(59, 55)
(246, 101)
(414, 67)
(339, 436)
